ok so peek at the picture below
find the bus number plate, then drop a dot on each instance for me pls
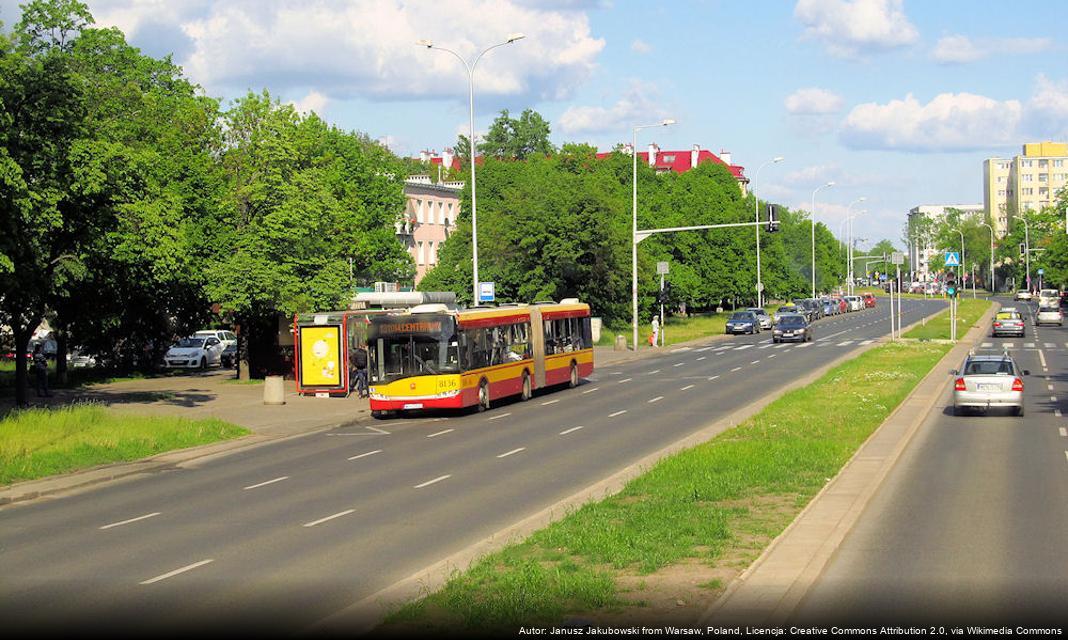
(414, 405)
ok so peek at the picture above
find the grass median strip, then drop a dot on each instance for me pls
(667, 544)
(36, 443)
(937, 327)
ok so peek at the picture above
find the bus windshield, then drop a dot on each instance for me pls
(405, 346)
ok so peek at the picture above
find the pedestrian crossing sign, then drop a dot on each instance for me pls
(952, 259)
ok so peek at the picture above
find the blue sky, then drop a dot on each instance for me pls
(898, 102)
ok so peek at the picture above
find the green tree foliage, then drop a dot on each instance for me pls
(516, 138)
(306, 204)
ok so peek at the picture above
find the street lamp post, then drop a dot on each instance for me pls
(849, 252)
(634, 223)
(962, 262)
(812, 225)
(471, 141)
(991, 256)
(756, 207)
(1027, 249)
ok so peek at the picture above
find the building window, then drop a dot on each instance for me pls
(418, 210)
(1026, 191)
(1043, 177)
(1026, 164)
(1042, 164)
(433, 259)
(1001, 178)
(1001, 192)
(1058, 163)
(1043, 191)
(420, 256)
(1027, 177)
(441, 212)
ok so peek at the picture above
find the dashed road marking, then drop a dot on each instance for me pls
(679, 364)
(362, 455)
(434, 481)
(754, 362)
(171, 574)
(1064, 432)
(327, 518)
(656, 399)
(625, 380)
(440, 433)
(617, 413)
(512, 452)
(686, 388)
(743, 347)
(571, 430)
(804, 344)
(654, 372)
(590, 390)
(138, 518)
(710, 379)
(736, 369)
(550, 402)
(498, 417)
(845, 343)
(701, 358)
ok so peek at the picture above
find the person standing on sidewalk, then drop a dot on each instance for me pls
(40, 368)
(359, 360)
(656, 331)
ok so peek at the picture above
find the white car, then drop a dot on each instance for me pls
(225, 337)
(1050, 315)
(856, 303)
(196, 352)
(1022, 295)
(1049, 298)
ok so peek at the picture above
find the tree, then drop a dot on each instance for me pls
(517, 139)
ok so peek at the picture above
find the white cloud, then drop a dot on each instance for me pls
(313, 102)
(949, 122)
(958, 49)
(813, 101)
(638, 106)
(367, 47)
(1047, 111)
(641, 46)
(852, 29)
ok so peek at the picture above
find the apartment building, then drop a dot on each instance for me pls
(682, 161)
(1029, 181)
(927, 258)
(429, 217)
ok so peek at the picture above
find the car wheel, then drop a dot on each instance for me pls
(1020, 411)
(527, 393)
(203, 363)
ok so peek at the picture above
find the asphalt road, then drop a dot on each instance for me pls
(971, 525)
(275, 538)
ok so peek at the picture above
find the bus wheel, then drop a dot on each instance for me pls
(574, 380)
(483, 396)
(527, 393)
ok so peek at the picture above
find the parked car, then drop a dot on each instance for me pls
(855, 303)
(1022, 295)
(786, 308)
(762, 315)
(1050, 314)
(810, 307)
(829, 307)
(227, 338)
(988, 381)
(743, 322)
(843, 306)
(1007, 322)
(228, 357)
(792, 327)
(869, 300)
(194, 353)
(78, 359)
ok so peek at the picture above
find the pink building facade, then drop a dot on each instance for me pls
(428, 219)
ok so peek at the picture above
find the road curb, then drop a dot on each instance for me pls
(364, 615)
(772, 587)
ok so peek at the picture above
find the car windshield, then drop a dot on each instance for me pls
(402, 346)
(792, 321)
(190, 343)
(1049, 310)
(759, 312)
(988, 368)
(741, 317)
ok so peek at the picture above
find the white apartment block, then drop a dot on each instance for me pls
(429, 217)
(926, 258)
(1025, 182)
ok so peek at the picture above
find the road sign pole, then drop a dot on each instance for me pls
(662, 323)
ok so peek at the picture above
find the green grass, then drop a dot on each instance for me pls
(37, 443)
(937, 328)
(724, 499)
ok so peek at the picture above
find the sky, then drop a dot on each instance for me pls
(896, 102)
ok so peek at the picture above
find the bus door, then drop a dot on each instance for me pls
(537, 344)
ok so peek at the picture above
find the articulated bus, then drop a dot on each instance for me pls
(432, 357)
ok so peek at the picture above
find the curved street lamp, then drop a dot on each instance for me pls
(634, 223)
(812, 225)
(991, 256)
(756, 207)
(470, 66)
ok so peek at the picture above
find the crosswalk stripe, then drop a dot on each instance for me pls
(1050, 345)
(987, 345)
(866, 342)
(845, 343)
(1009, 345)
(804, 344)
(1029, 345)
(743, 347)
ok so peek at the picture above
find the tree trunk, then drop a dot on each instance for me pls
(242, 350)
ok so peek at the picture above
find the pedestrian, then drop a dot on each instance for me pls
(359, 361)
(40, 367)
(656, 331)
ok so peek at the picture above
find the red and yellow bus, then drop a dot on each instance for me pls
(431, 357)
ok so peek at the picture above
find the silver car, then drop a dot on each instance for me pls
(988, 381)
(763, 316)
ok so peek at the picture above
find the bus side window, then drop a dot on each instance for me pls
(480, 355)
(587, 332)
(549, 338)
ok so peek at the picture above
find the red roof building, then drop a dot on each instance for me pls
(683, 161)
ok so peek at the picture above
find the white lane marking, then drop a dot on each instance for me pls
(617, 413)
(743, 347)
(1064, 432)
(656, 399)
(679, 364)
(1066, 454)
(767, 346)
(782, 346)
(654, 372)
(772, 356)
(264, 484)
(1042, 358)
(1050, 387)
(1009, 345)
(1050, 345)
(571, 430)
(328, 518)
(364, 455)
(1053, 398)
(503, 415)
(687, 387)
(1029, 345)
(1057, 412)
(625, 380)
(144, 517)
(705, 349)
(550, 402)
(590, 390)
(804, 344)
(680, 349)
(987, 345)
(380, 431)
(736, 369)
(512, 452)
(845, 343)
(430, 482)
(863, 342)
(712, 378)
(171, 574)
(440, 433)
(701, 358)
(754, 362)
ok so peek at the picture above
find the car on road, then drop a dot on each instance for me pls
(762, 315)
(987, 381)
(786, 308)
(810, 307)
(743, 322)
(1050, 314)
(869, 300)
(194, 353)
(1007, 322)
(830, 307)
(1022, 295)
(1048, 297)
(855, 303)
(792, 327)
(1064, 298)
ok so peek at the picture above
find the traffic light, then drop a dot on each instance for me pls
(773, 218)
(663, 296)
(951, 284)
(1023, 249)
